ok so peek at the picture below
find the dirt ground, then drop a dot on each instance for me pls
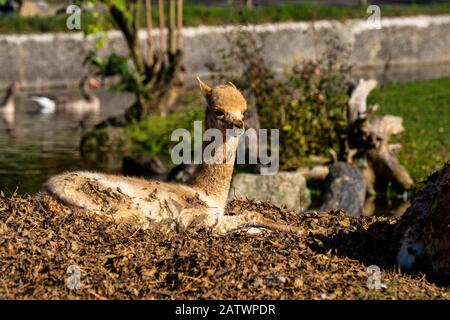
(39, 240)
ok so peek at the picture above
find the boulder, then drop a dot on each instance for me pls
(282, 189)
(345, 188)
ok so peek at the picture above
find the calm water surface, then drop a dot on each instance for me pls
(43, 145)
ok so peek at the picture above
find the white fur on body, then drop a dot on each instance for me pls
(125, 196)
(178, 207)
(181, 206)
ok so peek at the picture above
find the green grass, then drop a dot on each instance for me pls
(425, 108)
(195, 15)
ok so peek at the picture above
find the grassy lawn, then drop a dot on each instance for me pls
(195, 15)
(425, 108)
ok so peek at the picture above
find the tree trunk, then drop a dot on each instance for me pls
(149, 25)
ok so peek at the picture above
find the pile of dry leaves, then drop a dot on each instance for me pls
(39, 240)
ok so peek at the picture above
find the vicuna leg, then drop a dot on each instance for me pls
(251, 219)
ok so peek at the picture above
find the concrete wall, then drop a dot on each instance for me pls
(46, 60)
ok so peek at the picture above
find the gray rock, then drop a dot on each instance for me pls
(283, 188)
(345, 189)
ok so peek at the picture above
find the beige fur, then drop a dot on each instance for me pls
(200, 204)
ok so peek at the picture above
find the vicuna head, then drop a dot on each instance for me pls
(226, 107)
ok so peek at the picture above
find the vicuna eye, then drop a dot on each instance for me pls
(219, 113)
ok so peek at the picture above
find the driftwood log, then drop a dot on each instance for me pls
(368, 138)
(365, 149)
(382, 155)
(318, 172)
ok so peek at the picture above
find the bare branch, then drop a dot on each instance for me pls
(172, 26)
(162, 35)
(180, 43)
(358, 100)
(130, 34)
(149, 24)
(136, 48)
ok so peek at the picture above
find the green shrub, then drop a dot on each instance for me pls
(154, 133)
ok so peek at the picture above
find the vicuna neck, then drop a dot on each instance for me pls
(214, 179)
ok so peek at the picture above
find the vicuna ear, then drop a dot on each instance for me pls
(204, 88)
(231, 84)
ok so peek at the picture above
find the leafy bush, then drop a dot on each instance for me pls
(154, 133)
(308, 104)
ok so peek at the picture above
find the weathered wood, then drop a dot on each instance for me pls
(318, 172)
(386, 165)
(369, 138)
(366, 145)
(149, 27)
(384, 127)
(358, 100)
(345, 188)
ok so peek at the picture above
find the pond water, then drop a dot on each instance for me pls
(39, 146)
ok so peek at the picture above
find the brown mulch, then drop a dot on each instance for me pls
(39, 240)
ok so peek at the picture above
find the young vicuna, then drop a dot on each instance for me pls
(200, 204)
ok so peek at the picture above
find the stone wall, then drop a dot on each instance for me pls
(47, 60)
